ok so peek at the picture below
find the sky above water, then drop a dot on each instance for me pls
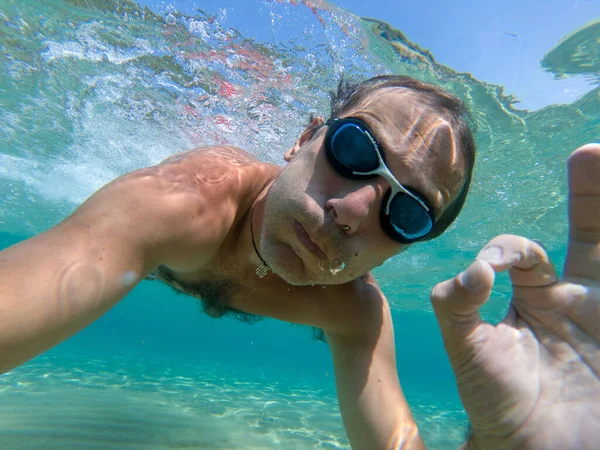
(501, 42)
(498, 42)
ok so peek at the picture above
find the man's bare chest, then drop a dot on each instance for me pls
(222, 295)
(250, 298)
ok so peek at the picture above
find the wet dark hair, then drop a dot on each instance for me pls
(438, 100)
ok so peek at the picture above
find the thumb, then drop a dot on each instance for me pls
(456, 302)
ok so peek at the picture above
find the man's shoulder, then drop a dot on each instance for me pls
(219, 167)
(341, 307)
(224, 154)
(188, 191)
(357, 294)
(357, 303)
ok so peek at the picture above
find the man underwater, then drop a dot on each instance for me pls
(391, 167)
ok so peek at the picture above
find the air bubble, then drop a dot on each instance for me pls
(338, 266)
(170, 19)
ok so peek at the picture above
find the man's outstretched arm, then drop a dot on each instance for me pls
(58, 282)
(375, 412)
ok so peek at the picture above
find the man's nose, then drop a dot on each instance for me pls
(353, 209)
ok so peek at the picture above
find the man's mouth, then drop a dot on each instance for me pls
(307, 242)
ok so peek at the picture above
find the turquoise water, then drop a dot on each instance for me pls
(92, 89)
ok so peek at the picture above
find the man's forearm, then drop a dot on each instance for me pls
(52, 286)
(374, 410)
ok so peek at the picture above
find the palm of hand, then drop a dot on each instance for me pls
(533, 380)
(531, 375)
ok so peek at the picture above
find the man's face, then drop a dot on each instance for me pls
(318, 222)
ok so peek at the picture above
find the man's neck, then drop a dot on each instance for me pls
(239, 248)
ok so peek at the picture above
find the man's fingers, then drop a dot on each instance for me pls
(583, 256)
(456, 302)
(527, 261)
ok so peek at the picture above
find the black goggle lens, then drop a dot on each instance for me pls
(408, 218)
(352, 148)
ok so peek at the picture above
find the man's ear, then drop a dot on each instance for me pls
(304, 137)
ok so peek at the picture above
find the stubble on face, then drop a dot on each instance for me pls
(287, 209)
(300, 194)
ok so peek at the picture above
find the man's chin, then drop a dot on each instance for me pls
(306, 279)
(298, 271)
(293, 277)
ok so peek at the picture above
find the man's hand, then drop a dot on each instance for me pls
(533, 380)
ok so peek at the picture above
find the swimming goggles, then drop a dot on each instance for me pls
(354, 153)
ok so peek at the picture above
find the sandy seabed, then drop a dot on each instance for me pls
(56, 403)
